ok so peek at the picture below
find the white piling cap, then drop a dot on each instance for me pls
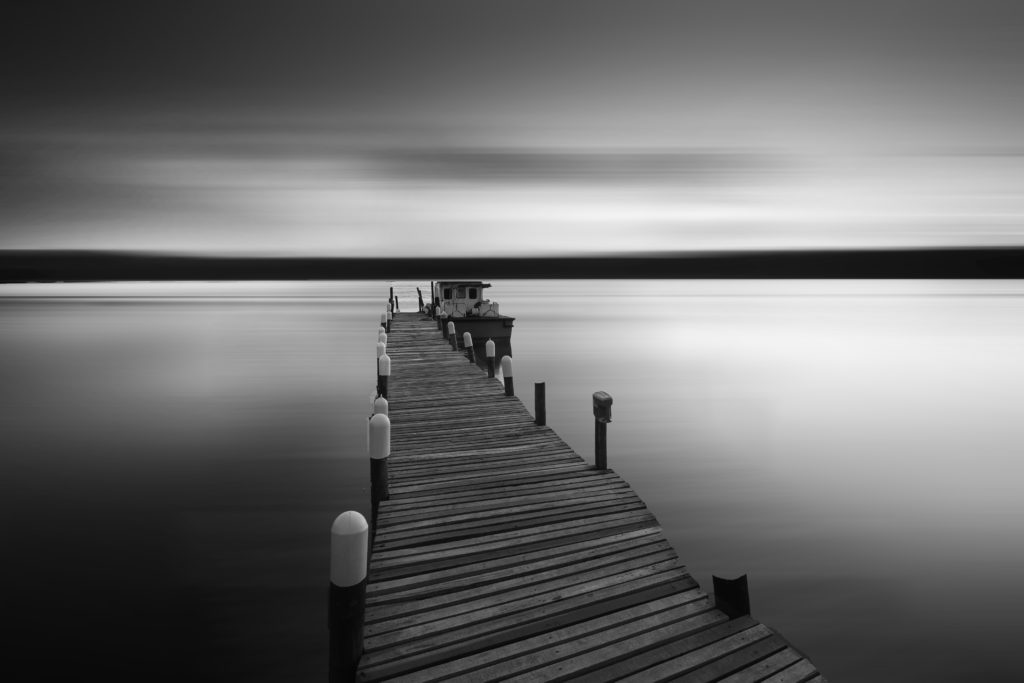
(506, 366)
(389, 315)
(451, 328)
(489, 348)
(391, 307)
(380, 406)
(467, 339)
(384, 365)
(383, 318)
(382, 336)
(379, 436)
(382, 348)
(350, 535)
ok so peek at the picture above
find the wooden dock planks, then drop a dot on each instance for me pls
(503, 555)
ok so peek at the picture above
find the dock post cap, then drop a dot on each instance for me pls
(382, 349)
(489, 348)
(467, 339)
(349, 540)
(384, 365)
(380, 436)
(382, 336)
(389, 315)
(380, 406)
(602, 406)
(506, 366)
(383, 318)
(451, 327)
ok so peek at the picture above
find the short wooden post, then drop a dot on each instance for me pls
(467, 342)
(452, 339)
(506, 372)
(489, 352)
(380, 448)
(540, 407)
(732, 596)
(383, 372)
(346, 600)
(602, 416)
(397, 309)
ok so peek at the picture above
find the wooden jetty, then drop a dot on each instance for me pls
(502, 554)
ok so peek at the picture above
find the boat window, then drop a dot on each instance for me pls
(472, 293)
(462, 292)
(447, 293)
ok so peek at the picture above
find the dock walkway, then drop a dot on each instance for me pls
(502, 554)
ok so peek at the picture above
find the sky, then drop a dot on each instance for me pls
(475, 128)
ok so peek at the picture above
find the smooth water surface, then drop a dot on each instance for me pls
(174, 455)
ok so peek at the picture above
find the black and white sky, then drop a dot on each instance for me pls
(512, 127)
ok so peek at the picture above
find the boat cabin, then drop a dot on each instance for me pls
(463, 299)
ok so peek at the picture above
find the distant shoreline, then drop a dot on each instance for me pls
(20, 266)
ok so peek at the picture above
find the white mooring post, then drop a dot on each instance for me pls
(382, 348)
(346, 601)
(380, 406)
(384, 321)
(380, 448)
(382, 336)
(451, 336)
(389, 316)
(489, 352)
(467, 342)
(506, 372)
(383, 372)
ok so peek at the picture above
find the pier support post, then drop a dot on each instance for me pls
(489, 351)
(602, 416)
(540, 404)
(451, 336)
(380, 448)
(732, 596)
(382, 348)
(442, 323)
(383, 372)
(346, 601)
(390, 317)
(467, 343)
(506, 372)
(384, 322)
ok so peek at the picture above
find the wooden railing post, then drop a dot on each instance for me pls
(540, 404)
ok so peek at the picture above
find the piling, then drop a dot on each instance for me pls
(379, 445)
(602, 416)
(384, 322)
(442, 323)
(489, 351)
(346, 601)
(451, 336)
(732, 596)
(467, 342)
(539, 404)
(383, 372)
(506, 372)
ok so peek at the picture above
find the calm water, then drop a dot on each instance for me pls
(174, 455)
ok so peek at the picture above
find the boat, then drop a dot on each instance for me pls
(462, 302)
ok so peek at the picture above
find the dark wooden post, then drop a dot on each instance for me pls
(506, 373)
(602, 416)
(419, 297)
(346, 600)
(732, 596)
(540, 404)
(489, 351)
